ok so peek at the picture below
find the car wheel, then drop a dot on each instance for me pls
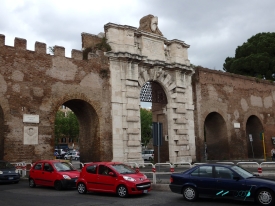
(58, 185)
(81, 188)
(190, 193)
(32, 183)
(122, 191)
(150, 158)
(265, 197)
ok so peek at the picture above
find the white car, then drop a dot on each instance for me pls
(148, 155)
(72, 155)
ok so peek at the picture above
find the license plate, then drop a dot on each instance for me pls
(145, 191)
(10, 178)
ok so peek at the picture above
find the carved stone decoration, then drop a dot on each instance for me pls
(149, 23)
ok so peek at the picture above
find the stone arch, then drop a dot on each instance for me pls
(215, 136)
(254, 128)
(93, 146)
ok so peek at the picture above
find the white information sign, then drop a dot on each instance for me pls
(250, 138)
(30, 118)
(237, 125)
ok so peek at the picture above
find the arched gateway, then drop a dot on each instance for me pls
(144, 55)
(102, 89)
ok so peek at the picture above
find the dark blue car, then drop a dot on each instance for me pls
(223, 181)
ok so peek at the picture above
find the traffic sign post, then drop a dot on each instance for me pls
(251, 140)
(157, 136)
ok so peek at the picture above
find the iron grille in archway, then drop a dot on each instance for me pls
(152, 92)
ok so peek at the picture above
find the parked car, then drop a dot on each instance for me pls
(72, 155)
(113, 177)
(55, 173)
(8, 173)
(59, 153)
(223, 181)
(148, 155)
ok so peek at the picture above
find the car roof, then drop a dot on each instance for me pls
(103, 163)
(216, 164)
(51, 161)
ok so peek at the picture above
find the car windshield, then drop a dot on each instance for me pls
(63, 166)
(6, 165)
(123, 169)
(242, 172)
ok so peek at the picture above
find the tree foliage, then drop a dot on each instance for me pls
(66, 125)
(255, 58)
(146, 125)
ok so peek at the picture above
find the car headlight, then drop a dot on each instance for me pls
(145, 177)
(67, 177)
(1, 172)
(129, 178)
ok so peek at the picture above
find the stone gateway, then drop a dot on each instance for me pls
(104, 83)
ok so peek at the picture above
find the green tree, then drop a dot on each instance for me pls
(255, 58)
(146, 125)
(66, 125)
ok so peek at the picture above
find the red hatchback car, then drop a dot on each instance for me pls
(113, 177)
(55, 173)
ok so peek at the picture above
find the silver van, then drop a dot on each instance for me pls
(148, 155)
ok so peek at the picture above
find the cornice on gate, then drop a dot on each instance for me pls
(128, 42)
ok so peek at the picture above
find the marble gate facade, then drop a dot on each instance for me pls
(142, 55)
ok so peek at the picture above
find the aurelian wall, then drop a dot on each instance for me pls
(233, 99)
(36, 83)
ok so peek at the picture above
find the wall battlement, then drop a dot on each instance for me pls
(41, 48)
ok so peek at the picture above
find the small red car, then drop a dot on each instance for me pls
(113, 177)
(55, 173)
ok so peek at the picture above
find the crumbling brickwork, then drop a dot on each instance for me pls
(237, 100)
(37, 83)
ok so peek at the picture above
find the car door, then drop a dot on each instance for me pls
(48, 174)
(36, 173)
(229, 187)
(204, 180)
(105, 181)
(91, 177)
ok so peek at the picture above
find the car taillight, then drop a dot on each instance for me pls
(171, 180)
(152, 154)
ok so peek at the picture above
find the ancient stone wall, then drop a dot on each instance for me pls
(235, 98)
(37, 83)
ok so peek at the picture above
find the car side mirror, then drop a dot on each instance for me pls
(236, 178)
(111, 174)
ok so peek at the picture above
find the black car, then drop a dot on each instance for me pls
(223, 181)
(8, 173)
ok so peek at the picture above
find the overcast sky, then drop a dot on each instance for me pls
(212, 28)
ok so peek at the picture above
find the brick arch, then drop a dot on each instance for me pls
(4, 117)
(254, 127)
(93, 145)
(215, 136)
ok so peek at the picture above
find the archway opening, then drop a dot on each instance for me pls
(152, 92)
(216, 141)
(88, 139)
(254, 128)
(1, 134)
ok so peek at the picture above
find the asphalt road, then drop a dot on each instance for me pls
(21, 195)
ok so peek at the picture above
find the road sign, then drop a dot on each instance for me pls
(157, 133)
(250, 137)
